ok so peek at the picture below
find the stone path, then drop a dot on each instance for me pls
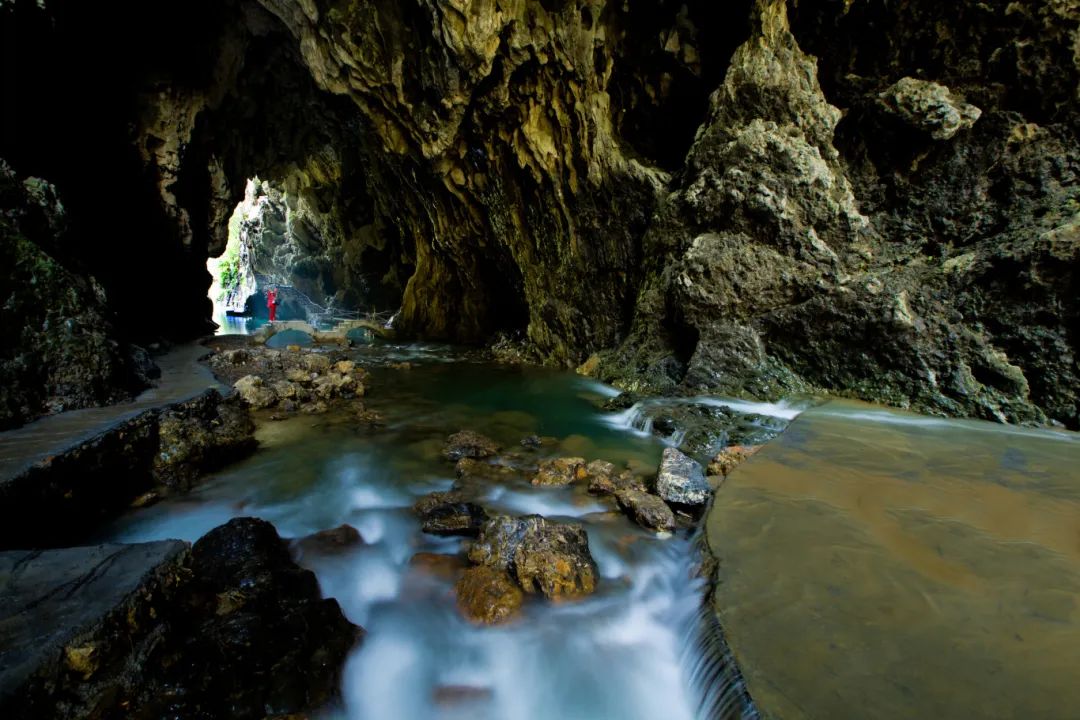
(182, 378)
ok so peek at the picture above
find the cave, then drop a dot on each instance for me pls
(539, 338)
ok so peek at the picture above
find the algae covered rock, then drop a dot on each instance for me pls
(488, 596)
(542, 556)
(560, 471)
(468, 444)
(647, 510)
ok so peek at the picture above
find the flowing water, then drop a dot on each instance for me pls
(629, 651)
(871, 563)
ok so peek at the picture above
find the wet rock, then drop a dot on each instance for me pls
(199, 436)
(555, 560)
(730, 458)
(542, 556)
(345, 367)
(316, 363)
(647, 510)
(267, 644)
(255, 392)
(681, 480)
(488, 596)
(622, 401)
(560, 471)
(602, 482)
(929, 108)
(286, 390)
(299, 376)
(329, 542)
(475, 475)
(334, 385)
(231, 628)
(464, 519)
(532, 442)
(468, 444)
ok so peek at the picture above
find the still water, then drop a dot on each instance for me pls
(626, 652)
(879, 564)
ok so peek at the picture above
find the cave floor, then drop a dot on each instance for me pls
(182, 378)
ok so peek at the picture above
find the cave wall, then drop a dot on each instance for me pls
(867, 197)
(897, 221)
(516, 148)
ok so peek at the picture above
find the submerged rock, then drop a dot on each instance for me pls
(449, 513)
(560, 471)
(647, 510)
(541, 555)
(488, 595)
(329, 542)
(681, 480)
(468, 444)
(730, 458)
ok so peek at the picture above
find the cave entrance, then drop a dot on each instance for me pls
(285, 238)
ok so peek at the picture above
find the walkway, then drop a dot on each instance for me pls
(182, 378)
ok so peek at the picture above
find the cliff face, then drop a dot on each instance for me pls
(866, 197)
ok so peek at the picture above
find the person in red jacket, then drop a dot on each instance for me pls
(271, 302)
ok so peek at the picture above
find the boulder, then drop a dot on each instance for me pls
(560, 471)
(316, 363)
(929, 108)
(681, 480)
(647, 510)
(255, 392)
(488, 596)
(542, 556)
(199, 436)
(449, 513)
(232, 628)
(468, 444)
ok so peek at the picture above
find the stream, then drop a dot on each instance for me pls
(859, 540)
(625, 652)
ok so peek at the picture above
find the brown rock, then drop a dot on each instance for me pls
(468, 444)
(730, 458)
(488, 596)
(560, 471)
(647, 510)
(327, 542)
(543, 556)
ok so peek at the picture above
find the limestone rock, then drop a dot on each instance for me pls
(647, 510)
(468, 444)
(232, 628)
(199, 436)
(255, 392)
(560, 471)
(681, 480)
(542, 556)
(929, 108)
(450, 513)
(488, 596)
(730, 458)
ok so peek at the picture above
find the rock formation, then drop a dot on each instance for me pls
(878, 199)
